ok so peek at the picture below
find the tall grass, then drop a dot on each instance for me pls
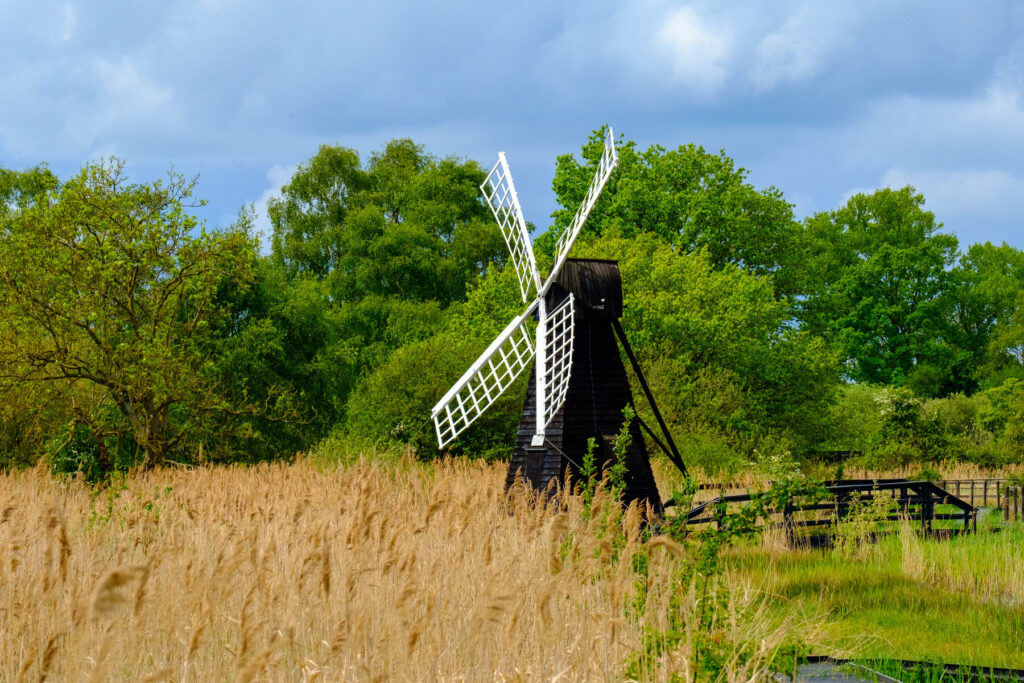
(903, 596)
(989, 566)
(363, 572)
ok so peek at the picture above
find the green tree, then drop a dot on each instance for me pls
(989, 283)
(718, 347)
(690, 198)
(21, 189)
(380, 253)
(1006, 345)
(878, 287)
(308, 218)
(409, 226)
(107, 292)
(393, 401)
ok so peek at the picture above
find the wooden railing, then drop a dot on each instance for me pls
(911, 500)
(978, 492)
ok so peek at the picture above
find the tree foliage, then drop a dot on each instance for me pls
(690, 198)
(107, 290)
(130, 333)
(879, 289)
(720, 352)
(408, 226)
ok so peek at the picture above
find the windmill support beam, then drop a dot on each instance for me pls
(674, 456)
(654, 437)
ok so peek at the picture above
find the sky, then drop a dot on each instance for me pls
(821, 100)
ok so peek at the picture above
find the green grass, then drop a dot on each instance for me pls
(964, 608)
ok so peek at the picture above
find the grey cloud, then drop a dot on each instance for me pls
(813, 98)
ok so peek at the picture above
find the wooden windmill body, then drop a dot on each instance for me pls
(598, 392)
(578, 386)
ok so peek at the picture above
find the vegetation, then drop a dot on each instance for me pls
(955, 601)
(138, 347)
(378, 570)
(316, 570)
(131, 335)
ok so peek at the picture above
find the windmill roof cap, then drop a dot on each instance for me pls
(595, 283)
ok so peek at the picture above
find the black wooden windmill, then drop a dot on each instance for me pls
(579, 386)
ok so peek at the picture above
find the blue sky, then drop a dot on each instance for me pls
(818, 99)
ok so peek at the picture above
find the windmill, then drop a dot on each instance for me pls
(579, 301)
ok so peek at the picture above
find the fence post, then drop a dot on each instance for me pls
(984, 492)
(972, 493)
(926, 512)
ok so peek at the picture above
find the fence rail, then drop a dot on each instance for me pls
(978, 492)
(913, 500)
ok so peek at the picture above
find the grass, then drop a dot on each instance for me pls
(957, 601)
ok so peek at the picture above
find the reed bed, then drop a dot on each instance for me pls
(988, 566)
(363, 572)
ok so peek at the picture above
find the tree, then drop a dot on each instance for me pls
(878, 287)
(718, 347)
(107, 292)
(379, 252)
(690, 198)
(20, 189)
(985, 324)
(393, 401)
(409, 226)
(308, 218)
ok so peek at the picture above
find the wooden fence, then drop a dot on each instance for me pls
(977, 492)
(994, 493)
(1012, 503)
(921, 501)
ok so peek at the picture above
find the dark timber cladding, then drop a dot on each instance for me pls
(598, 391)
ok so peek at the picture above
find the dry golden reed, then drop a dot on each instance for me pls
(401, 572)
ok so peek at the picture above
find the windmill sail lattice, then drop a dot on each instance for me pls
(558, 349)
(513, 349)
(501, 197)
(485, 380)
(605, 166)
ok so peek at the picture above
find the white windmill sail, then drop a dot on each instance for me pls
(609, 159)
(489, 376)
(558, 345)
(552, 343)
(504, 202)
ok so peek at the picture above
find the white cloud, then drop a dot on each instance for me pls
(986, 193)
(65, 26)
(127, 89)
(696, 53)
(647, 49)
(277, 176)
(793, 52)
